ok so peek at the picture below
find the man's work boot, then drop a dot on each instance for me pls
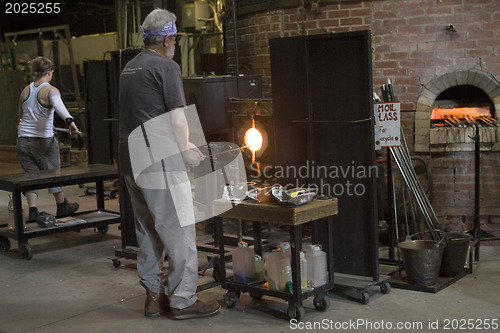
(156, 303)
(66, 208)
(198, 309)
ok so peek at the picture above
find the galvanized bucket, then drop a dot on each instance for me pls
(422, 259)
(455, 253)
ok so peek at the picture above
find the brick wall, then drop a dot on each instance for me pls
(411, 46)
(255, 30)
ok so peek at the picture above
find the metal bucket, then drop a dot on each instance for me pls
(455, 253)
(422, 260)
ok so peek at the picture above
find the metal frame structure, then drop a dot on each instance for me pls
(11, 37)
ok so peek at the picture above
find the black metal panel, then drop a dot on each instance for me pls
(11, 85)
(213, 63)
(324, 111)
(210, 95)
(127, 219)
(97, 108)
(118, 60)
(290, 103)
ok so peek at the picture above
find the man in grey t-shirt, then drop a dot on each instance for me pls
(151, 91)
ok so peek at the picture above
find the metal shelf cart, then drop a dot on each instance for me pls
(19, 182)
(362, 284)
(317, 212)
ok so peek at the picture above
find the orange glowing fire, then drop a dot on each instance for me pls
(460, 113)
(253, 139)
(462, 117)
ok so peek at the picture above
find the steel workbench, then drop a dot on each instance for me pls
(317, 212)
(19, 182)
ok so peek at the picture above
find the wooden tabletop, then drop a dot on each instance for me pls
(276, 213)
(84, 173)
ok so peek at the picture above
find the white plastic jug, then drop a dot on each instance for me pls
(317, 273)
(303, 271)
(285, 249)
(279, 271)
(11, 222)
(243, 263)
(260, 270)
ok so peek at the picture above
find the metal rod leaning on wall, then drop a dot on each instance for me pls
(436, 225)
(403, 160)
(405, 153)
(413, 212)
(413, 187)
(403, 193)
(477, 195)
(405, 173)
(396, 222)
(419, 193)
(390, 217)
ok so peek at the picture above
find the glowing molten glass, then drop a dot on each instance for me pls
(253, 139)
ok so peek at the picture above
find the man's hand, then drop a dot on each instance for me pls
(193, 156)
(193, 147)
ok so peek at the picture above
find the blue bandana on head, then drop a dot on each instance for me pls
(167, 30)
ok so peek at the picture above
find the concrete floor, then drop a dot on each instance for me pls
(70, 285)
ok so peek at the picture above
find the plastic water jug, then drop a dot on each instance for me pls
(285, 249)
(260, 270)
(317, 273)
(10, 208)
(243, 263)
(279, 271)
(11, 222)
(303, 271)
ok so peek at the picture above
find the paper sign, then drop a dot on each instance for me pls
(387, 124)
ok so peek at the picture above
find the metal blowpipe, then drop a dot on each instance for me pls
(65, 130)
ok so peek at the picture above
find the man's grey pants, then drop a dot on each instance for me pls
(158, 227)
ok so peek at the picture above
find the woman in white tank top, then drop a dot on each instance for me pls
(37, 147)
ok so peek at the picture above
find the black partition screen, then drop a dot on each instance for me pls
(322, 100)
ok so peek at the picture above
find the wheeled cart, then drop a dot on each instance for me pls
(362, 284)
(17, 183)
(317, 212)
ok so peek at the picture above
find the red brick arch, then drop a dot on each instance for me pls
(480, 79)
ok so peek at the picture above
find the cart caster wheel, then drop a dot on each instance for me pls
(256, 296)
(86, 191)
(112, 195)
(385, 288)
(231, 299)
(103, 229)
(321, 303)
(116, 263)
(216, 273)
(296, 312)
(80, 185)
(27, 251)
(364, 297)
(4, 244)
